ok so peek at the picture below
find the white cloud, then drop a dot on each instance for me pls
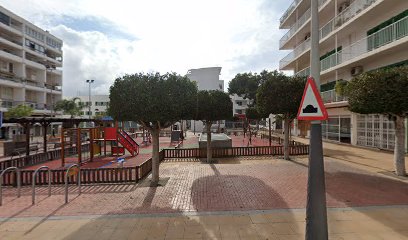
(238, 35)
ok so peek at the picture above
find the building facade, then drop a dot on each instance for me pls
(98, 105)
(356, 36)
(206, 79)
(30, 65)
(30, 68)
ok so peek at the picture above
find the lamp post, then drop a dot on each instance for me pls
(89, 102)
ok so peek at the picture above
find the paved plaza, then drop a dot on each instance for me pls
(242, 198)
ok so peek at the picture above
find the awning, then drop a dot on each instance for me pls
(10, 125)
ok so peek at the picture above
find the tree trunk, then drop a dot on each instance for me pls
(399, 152)
(155, 157)
(286, 140)
(209, 149)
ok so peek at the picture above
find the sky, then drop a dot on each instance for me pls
(105, 39)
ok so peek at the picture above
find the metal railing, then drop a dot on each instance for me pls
(331, 96)
(34, 180)
(304, 72)
(299, 23)
(355, 8)
(18, 173)
(289, 11)
(70, 173)
(376, 40)
(295, 53)
(348, 13)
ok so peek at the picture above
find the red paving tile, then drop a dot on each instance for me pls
(232, 185)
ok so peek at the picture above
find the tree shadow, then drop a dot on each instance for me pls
(357, 188)
(217, 203)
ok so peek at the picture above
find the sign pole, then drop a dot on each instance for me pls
(316, 212)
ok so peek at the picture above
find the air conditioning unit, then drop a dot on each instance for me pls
(356, 70)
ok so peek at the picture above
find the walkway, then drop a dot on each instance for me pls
(376, 160)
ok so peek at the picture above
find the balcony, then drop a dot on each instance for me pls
(289, 11)
(300, 49)
(385, 36)
(331, 96)
(354, 9)
(303, 73)
(6, 103)
(298, 24)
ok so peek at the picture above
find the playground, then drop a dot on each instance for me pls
(132, 149)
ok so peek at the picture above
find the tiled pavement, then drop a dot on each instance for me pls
(222, 201)
(228, 186)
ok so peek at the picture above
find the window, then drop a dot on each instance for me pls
(239, 103)
(4, 19)
(53, 43)
(7, 93)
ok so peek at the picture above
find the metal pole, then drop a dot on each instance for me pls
(17, 170)
(33, 183)
(66, 181)
(270, 132)
(89, 103)
(316, 212)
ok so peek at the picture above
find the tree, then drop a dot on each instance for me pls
(70, 106)
(212, 105)
(154, 101)
(383, 91)
(280, 94)
(244, 85)
(19, 111)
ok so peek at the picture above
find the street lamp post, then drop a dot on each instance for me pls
(89, 102)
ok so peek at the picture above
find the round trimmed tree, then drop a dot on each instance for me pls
(154, 101)
(383, 91)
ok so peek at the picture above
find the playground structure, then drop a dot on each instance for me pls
(99, 139)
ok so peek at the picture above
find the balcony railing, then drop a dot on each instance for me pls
(381, 38)
(5, 103)
(290, 10)
(355, 8)
(298, 24)
(302, 20)
(331, 96)
(295, 53)
(304, 72)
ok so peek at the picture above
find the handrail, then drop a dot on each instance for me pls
(17, 170)
(12, 154)
(67, 174)
(33, 185)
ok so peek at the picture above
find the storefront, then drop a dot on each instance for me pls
(375, 131)
(337, 128)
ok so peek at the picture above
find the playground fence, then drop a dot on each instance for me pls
(25, 161)
(135, 174)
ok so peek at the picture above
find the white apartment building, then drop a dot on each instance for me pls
(30, 65)
(206, 79)
(30, 68)
(99, 105)
(355, 36)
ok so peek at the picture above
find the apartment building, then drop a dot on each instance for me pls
(356, 36)
(30, 69)
(206, 79)
(30, 65)
(98, 105)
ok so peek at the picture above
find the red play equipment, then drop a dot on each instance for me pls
(118, 136)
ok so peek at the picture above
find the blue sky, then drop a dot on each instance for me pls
(104, 39)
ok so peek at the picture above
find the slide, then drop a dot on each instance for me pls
(129, 143)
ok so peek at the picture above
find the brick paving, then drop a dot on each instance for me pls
(232, 184)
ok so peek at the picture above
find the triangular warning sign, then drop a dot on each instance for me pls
(311, 106)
